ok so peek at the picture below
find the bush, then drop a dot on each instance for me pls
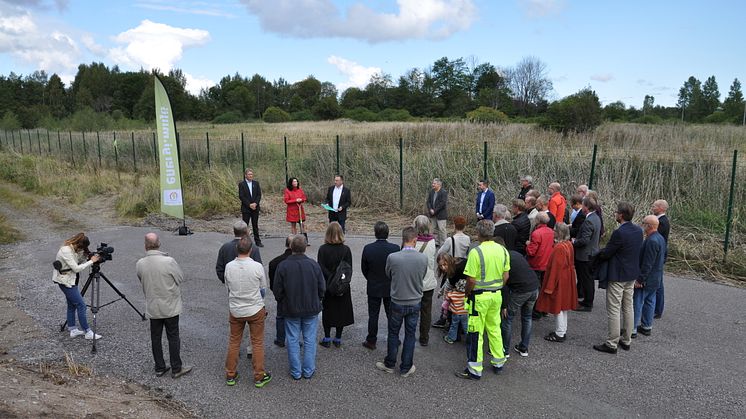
(648, 119)
(274, 114)
(230, 117)
(361, 114)
(718, 117)
(117, 114)
(485, 114)
(390, 114)
(89, 120)
(10, 121)
(576, 113)
(304, 115)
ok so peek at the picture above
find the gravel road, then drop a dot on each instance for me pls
(692, 366)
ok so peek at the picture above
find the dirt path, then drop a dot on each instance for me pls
(59, 389)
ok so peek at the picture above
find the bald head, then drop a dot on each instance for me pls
(650, 224)
(152, 242)
(554, 187)
(582, 190)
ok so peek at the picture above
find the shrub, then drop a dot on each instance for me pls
(717, 117)
(274, 114)
(649, 119)
(361, 114)
(230, 117)
(88, 120)
(10, 121)
(486, 114)
(390, 114)
(304, 115)
(579, 112)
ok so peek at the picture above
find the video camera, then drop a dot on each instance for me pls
(104, 252)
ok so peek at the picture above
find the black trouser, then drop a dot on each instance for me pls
(174, 343)
(252, 217)
(585, 282)
(328, 332)
(338, 217)
(426, 315)
(374, 309)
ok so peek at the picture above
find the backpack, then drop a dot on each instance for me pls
(339, 282)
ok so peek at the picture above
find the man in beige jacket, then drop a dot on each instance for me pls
(161, 279)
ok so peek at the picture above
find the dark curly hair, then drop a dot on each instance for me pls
(290, 183)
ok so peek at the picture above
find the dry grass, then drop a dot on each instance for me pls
(75, 369)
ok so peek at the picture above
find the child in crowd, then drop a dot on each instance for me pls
(459, 315)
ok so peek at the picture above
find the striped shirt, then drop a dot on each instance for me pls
(456, 302)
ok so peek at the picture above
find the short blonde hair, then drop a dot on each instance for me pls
(334, 234)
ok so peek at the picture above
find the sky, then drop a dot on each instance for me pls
(622, 49)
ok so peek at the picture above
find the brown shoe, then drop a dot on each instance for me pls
(369, 345)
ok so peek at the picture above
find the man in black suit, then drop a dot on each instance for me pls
(623, 254)
(577, 215)
(664, 227)
(338, 197)
(373, 265)
(522, 225)
(437, 210)
(250, 194)
(586, 248)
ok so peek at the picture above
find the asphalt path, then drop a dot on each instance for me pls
(694, 364)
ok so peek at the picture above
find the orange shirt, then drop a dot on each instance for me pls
(557, 204)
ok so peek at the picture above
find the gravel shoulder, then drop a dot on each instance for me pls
(691, 366)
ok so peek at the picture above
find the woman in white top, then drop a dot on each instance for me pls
(72, 258)
(426, 245)
(458, 244)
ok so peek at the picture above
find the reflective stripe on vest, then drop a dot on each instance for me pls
(483, 283)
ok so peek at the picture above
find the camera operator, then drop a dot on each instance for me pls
(161, 280)
(72, 260)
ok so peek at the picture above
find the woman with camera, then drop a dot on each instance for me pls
(72, 257)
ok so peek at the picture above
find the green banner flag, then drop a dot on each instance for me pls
(172, 202)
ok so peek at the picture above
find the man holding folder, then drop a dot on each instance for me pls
(338, 198)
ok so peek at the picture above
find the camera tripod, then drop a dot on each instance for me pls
(93, 281)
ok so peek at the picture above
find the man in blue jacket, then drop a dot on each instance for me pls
(651, 275)
(373, 265)
(623, 254)
(299, 287)
(485, 201)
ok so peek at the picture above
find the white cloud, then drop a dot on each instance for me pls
(195, 84)
(418, 19)
(357, 75)
(47, 49)
(155, 45)
(541, 8)
(603, 77)
(192, 8)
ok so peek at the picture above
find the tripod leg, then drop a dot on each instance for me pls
(82, 294)
(95, 300)
(142, 316)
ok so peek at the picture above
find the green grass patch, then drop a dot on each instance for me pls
(8, 233)
(15, 199)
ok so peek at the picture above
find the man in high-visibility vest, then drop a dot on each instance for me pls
(486, 270)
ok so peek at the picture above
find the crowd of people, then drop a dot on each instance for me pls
(537, 257)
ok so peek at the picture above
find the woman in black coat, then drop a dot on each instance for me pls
(337, 311)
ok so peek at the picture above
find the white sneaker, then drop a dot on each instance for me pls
(89, 335)
(76, 332)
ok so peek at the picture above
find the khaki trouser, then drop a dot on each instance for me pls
(256, 331)
(619, 298)
(438, 229)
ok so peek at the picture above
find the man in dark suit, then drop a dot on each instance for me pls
(250, 194)
(623, 254)
(527, 183)
(485, 200)
(437, 210)
(522, 225)
(577, 215)
(664, 227)
(373, 265)
(503, 228)
(338, 197)
(651, 274)
(228, 251)
(586, 248)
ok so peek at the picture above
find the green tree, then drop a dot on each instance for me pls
(710, 96)
(733, 106)
(56, 96)
(576, 113)
(452, 85)
(647, 104)
(327, 108)
(615, 111)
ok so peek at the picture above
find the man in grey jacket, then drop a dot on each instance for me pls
(407, 269)
(586, 248)
(161, 280)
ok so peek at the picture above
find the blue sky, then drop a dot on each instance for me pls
(622, 49)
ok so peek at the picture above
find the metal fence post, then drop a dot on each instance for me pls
(85, 148)
(13, 136)
(593, 166)
(49, 143)
(484, 160)
(285, 140)
(207, 137)
(401, 174)
(20, 140)
(72, 151)
(134, 156)
(59, 143)
(38, 140)
(116, 156)
(243, 155)
(98, 145)
(338, 155)
(730, 205)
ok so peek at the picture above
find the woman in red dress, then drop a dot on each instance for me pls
(294, 199)
(559, 293)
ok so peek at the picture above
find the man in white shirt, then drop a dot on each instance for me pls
(338, 197)
(246, 282)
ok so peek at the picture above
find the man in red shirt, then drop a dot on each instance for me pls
(557, 202)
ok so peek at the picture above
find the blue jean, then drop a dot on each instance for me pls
(525, 303)
(294, 326)
(644, 303)
(659, 299)
(407, 315)
(458, 320)
(75, 303)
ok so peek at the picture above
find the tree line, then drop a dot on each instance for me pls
(100, 97)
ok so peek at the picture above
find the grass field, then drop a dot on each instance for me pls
(689, 165)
